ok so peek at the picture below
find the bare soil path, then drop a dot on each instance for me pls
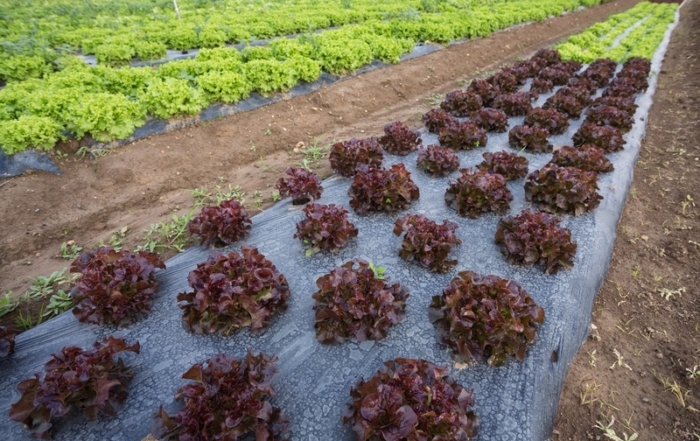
(649, 307)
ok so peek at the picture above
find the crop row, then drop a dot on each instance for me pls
(34, 47)
(110, 103)
(479, 317)
(645, 25)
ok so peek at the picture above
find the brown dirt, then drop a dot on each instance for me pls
(657, 246)
(657, 252)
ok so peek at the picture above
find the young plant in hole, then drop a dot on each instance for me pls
(563, 189)
(356, 303)
(399, 140)
(436, 119)
(437, 161)
(221, 225)
(382, 190)
(554, 121)
(541, 85)
(477, 192)
(325, 227)
(610, 116)
(114, 287)
(558, 77)
(491, 120)
(93, 381)
(302, 185)
(465, 135)
(531, 139)
(227, 399)
(533, 237)
(461, 103)
(7, 341)
(411, 399)
(509, 165)
(514, 104)
(485, 90)
(427, 242)
(231, 291)
(504, 81)
(346, 156)
(587, 157)
(581, 94)
(565, 104)
(485, 317)
(607, 138)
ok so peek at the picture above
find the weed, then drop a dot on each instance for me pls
(667, 293)
(688, 202)
(675, 388)
(275, 195)
(26, 321)
(435, 99)
(95, 153)
(611, 434)
(635, 271)
(252, 146)
(592, 357)
(168, 235)
(116, 239)
(694, 372)
(587, 392)
(268, 131)
(7, 305)
(43, 286)
(70, 250)
(257, 199)
(58, 303)
(202, 196)
(619, 361)
(377, 270)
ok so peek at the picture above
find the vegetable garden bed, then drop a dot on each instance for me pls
(512, 402)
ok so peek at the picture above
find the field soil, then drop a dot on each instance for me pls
(641, 362)
(149, 181)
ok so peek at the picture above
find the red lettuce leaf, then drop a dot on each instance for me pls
(486, 317)
(477, 192)
(535, 238)
(531, 138)
(437, 161)
(427, 242)
(554, 121)
(7, 341)
(302, 185)
(514, 104)
(221, 225)
(465, 135)
(346, 156)
(399, 140)
(587, 157)
(114, 287)
(607, 138)
(563, 189)
(88, 380)
(411, 399)
(355, 303)
(382, 190)
(462, 103)
(509, 165)
(437, 119)
(231, 291)
(229, 399)
(491, 120)
(325, 227)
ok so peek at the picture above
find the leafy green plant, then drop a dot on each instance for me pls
(7, 304)
(486, 317)
(170, 96)
(168, 235)
(355, 303)
(411, 399)
(70, 250)
(59, 302)
(29, 131)
(105, 116)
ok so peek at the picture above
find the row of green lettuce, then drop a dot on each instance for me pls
(110, 103)
(646, 24)
(33, 44)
